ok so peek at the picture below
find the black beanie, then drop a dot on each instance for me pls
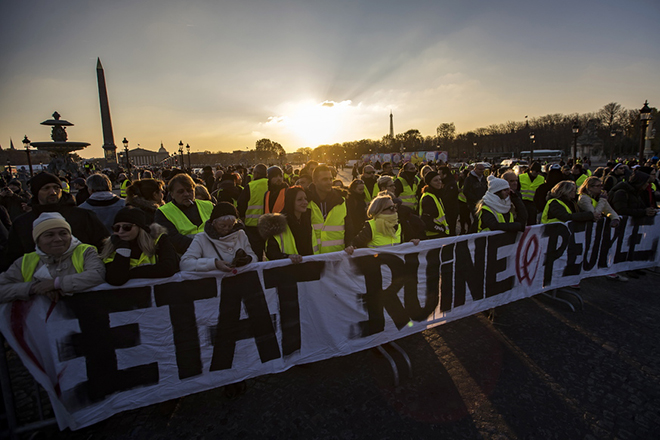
(429, 176)
(274, 171)
(132, 215)
(222, 209)
(41, 180)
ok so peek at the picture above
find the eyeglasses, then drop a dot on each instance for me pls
(125, 227)
(390, 208)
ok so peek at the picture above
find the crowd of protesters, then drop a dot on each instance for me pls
(55, 231)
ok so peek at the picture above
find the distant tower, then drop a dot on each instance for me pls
(109, 147)
(391, 126)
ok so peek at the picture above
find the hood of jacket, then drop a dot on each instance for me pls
(271, 224)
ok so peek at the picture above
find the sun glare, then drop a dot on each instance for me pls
(318, 124)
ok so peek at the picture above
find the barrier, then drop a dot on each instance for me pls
(114, 349)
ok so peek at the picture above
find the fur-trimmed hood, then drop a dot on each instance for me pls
(142, 203)
(156, 230)
(271, 224)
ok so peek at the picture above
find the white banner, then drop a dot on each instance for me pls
(114, 349)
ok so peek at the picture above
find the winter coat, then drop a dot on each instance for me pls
(585, 204)
(272, 225)
(474, 189)
(12, 286)
(205, 250)
(627, 200)
(105, 205)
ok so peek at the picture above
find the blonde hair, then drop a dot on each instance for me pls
(377, 205)
(584, 188)
(564, 189)
(383, 182)
(145, 241)
(202, 193)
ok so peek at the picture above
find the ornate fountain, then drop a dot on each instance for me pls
(60, 148)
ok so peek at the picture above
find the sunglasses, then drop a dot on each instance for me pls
(390, 208)
(123, 227)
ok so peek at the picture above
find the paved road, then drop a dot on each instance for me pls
(541, 371)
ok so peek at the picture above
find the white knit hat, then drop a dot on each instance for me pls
(46, 221)
(496, 184)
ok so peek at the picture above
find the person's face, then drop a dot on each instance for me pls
(369, 171)
(126, 231)
(49, 194)
(387, 168)
(389, 208)
(503, 194)
(300, 205)
(277, 180)
(479, 170)
(323, 181)
(390, 186)
(595, 189)
(223, 227)
(436, 182)
(183, 195)
(409, 168)
(359, 188)
(533, 173)
(54, 241)
(158, 195)
(512, 180)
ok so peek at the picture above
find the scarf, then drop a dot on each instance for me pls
(385, 224)
(494, 202)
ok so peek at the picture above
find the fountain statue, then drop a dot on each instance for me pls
(60, 147)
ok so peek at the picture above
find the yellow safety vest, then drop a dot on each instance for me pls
(123, 187)
(30, 261)
(500, 218)
(408, 196)
(369, 196)
(378, 239)
(330, 231)
(255, 207)
(181, 222)
(440, 220)
(581, 180)
(544, 217)
(528, 188)
(287, 242)
(135, 262)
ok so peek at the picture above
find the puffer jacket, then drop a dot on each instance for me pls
(12, 286)
(207, 247)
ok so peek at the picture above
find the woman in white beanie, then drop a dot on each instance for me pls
(494, 211)
(61, 264)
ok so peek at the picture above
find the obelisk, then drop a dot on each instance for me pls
(109, 147)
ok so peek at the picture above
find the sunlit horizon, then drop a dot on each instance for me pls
(219, 77)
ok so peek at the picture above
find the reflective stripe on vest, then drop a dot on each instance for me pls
(255, 207)
(528, 188)
(30, 261)
(408, 197)
(378, 239)
(544, 217)
(279, 203)
(135, 262)
(500, 217)
(440, 219)
(329, 232)
(183, 223)
(287, 242)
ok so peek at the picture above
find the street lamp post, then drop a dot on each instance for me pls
(644, 116)
(181, 153)
(532, 140)
(26, 142)
(189, 166)
(576, 130)
(128, 163)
